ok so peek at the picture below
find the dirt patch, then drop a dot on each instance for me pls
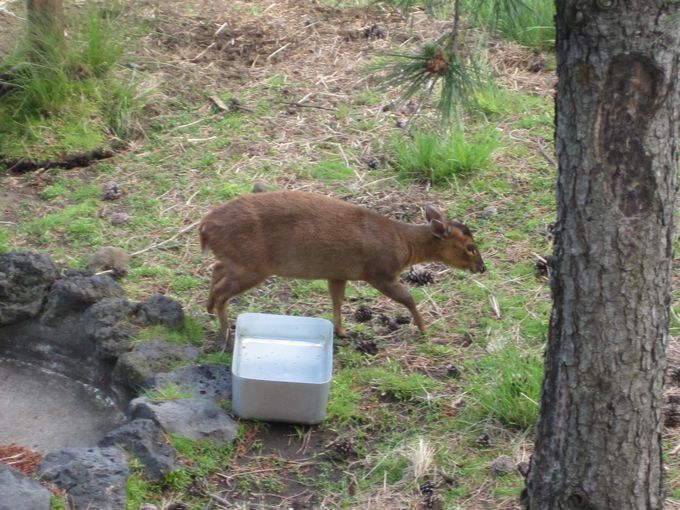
(277, 459)
(12, 193)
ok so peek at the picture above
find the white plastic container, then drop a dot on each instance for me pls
(282, 367)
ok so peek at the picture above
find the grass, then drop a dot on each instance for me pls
(440, 159)
(67, 97)
(505, 386)
(531, 23)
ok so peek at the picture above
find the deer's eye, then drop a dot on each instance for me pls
(471, 248)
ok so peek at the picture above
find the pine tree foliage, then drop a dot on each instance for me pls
(444, 64)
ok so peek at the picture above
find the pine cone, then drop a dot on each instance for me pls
(452, 371)
(484, 440)
(111, 191)
(427, 488)
(388, 322)
(675, 375)
(402, 319)
(671, 415)
(367, 346)
(178, 506)
(363, 314)
(419, 276)
(342, 448)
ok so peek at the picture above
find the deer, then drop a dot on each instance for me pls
(311, 236)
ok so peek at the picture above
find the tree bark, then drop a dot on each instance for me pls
(598, 438)
(45, 22)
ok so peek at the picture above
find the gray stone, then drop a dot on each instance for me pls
(207, 381)
(75, 293)
(110, 258)
(503, 465)
(195, 418)
(120, 218)
(146, 441)
(25, 279)
(488, 212)
(107, 324)
(92, 477)
(153, 356)
(159, 309)
(20, 492)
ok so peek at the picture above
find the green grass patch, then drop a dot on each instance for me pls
(65, 97)
(190, 332)
(77, 223)
(344, 399)
(331, 170)
(205, 457)
(390, 381)
(505, 386)
(441, 158)
(530, 23)
(169, 391)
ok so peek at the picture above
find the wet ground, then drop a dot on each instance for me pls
(45, 411)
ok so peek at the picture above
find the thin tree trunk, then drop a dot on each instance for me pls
(598, 443)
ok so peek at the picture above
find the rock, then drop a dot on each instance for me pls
(25, 279)
(136, 366)
(107, 325)
(159, 309)
(110, 258)
(195, 418)
(503, 465)
(488, 212)
(259, 187)
(92, 477)
(145, 440)
(20, 492)
(207, 381)
(75, 293)
(120, 218)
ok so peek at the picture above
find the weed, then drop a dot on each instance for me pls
(169, 391)
(191, 331)
(139, 490)
(390, 381)
(343, 402)
(530, 23)
(5, 237)
(330, 170)
(505, 386)
(64, 96)
(204, 456)
(57, 504)
(440, 159)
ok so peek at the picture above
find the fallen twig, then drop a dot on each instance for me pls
(297, 103)
(157, 245)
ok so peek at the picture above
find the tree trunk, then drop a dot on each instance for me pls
(45, 22)
(598, 443)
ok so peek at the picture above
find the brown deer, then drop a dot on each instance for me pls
(306, 235)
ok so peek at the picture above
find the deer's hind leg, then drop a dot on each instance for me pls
(229, 281)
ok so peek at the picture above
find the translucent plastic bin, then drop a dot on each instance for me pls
(282, 367)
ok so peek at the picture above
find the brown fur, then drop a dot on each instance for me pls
(305, 235)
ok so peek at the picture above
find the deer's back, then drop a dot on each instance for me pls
(301, 235)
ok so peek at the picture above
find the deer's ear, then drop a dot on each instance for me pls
(432, 212)
(439, 229)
